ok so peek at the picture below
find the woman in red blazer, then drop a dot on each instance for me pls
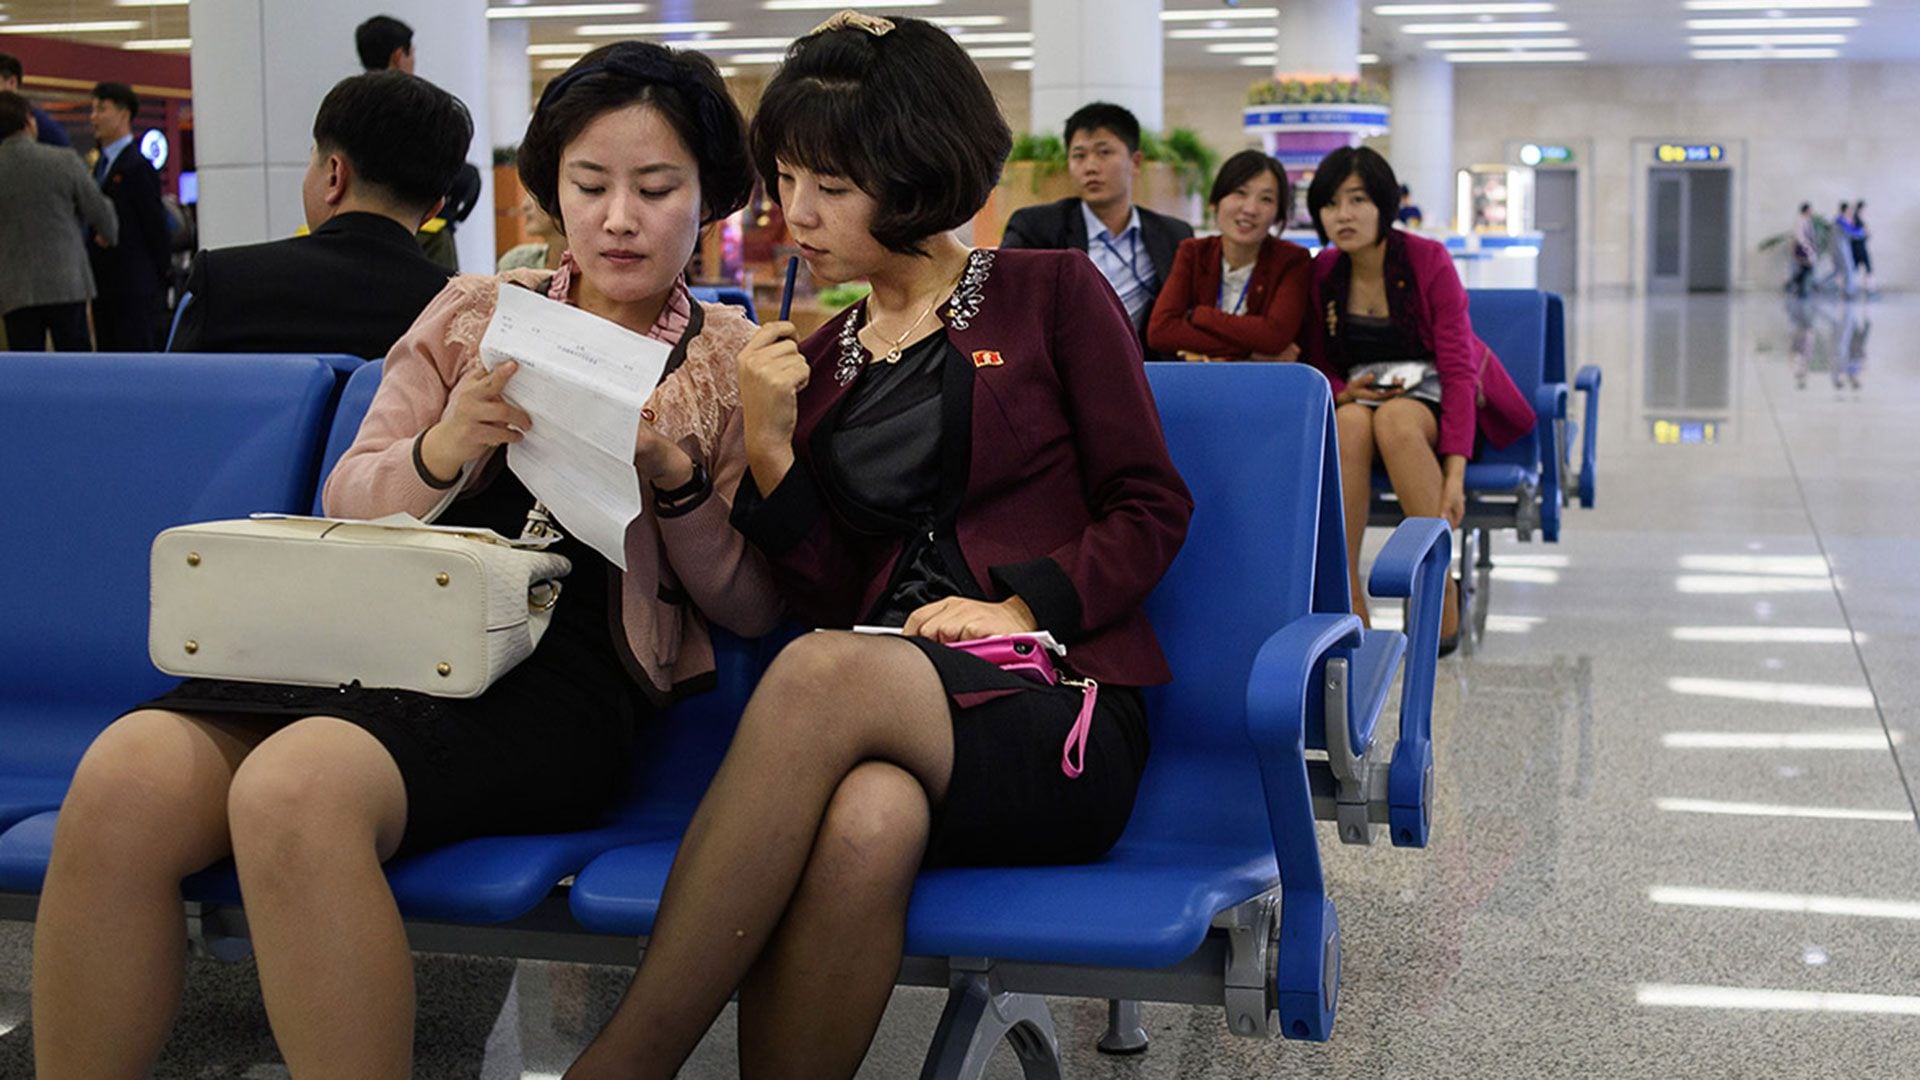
(1241, 295)
(971, 451)
(1412, 384)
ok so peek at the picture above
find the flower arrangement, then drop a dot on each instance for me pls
(1316, 92)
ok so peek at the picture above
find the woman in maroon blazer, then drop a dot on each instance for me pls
(1241, 295)
(972, 451)
(1412, 383)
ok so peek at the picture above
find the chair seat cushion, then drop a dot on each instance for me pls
(1147, 904)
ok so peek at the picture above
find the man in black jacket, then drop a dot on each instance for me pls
(1132, 246)
(386, 145)
(127, 275)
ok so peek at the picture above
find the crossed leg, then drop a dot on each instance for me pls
(795, 869)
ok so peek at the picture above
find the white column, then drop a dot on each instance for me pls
(1423, 134)
(260, 68)
(509, 80)
(1319, 38)
(1095, 50)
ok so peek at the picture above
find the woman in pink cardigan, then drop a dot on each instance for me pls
(633, 151)
(1413, 387)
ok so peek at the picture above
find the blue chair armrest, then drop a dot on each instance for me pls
(1414, 565)
(1550, 405)
(1588, 382)
(1278, 692)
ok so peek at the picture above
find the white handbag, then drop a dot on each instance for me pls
(323, 602)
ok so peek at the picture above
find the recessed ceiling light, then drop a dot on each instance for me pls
(159, 44)
(1517, 57)
(1487, 28)
(1006, 52)
(1710, 40)
(1231, 48)
(1001, 37)
(1461, 9)
(1766, 54)
(1819, 22)
(1209, 14)
(1504, 43)
(653, 29)
(834, 5)
(1210, 33)
(565, 11)
(1772, 5)
(564, 48)
(150, 3)
(953, 21)
(706, 44)
(104, 26)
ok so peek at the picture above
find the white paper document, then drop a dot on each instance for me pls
(582, 380)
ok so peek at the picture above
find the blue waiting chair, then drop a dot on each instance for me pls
(1521, 486)
(1215, 894)
(727, 294)
(104, 452)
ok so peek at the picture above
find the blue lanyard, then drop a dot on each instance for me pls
(1133, 254)
(1239, 306)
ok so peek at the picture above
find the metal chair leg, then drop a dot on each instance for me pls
(1125, 1034)
(978, 1015)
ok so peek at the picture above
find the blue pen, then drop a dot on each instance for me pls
(786, 297)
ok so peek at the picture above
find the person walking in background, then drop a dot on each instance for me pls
(128, 274)
(48, 130)
(384, 43)
(1840, 250)
(1132, 246)
(1241, 295)
(45, 280)
(1862, 261)
(1804, 251)
(1409, 216)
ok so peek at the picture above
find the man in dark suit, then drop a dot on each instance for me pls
(1132, 246)
(386, 44)
(49, 132)
(128, 274)
(385, 147)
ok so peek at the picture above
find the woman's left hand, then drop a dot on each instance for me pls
(661, 463)
(959, 619)
(1453, 499)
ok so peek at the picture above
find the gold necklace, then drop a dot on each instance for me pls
(893, 351)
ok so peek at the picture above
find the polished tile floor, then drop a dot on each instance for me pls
(1676, 833)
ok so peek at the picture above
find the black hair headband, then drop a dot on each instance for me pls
(634, 61)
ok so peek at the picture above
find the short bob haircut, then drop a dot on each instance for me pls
(1104, 116)
(683, 86)
(403, 134)
(904, 116)
(1246, 165)
(1383, 188)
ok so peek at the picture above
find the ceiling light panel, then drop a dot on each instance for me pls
(1504, 43)
(1517, 57)
(565, 11)
(1402, 10)
(1785, 22)
(1478, 28)
(1216, 33)
(1210, 14)
(1766, 54)
(1776, 5)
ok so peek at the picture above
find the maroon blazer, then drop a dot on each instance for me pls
(1065, 494)
(1187, 316)
(1424, 293)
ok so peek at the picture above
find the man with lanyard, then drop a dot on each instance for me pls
(1132, 246)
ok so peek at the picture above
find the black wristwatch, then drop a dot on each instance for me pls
(686, 498)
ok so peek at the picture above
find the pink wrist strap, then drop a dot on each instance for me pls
(1077, 735)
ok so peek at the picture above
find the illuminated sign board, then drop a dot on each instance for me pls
(1687, 432)
(1689, 153)
(153, 147)
(1537, 154)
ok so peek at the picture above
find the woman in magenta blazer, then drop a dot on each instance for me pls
(1241, 295)
(1413, 387)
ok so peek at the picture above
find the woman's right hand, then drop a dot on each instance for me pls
(772, 372)
(1362, 389)
(478, 418)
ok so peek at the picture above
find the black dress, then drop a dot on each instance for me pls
(1008, 801)
(547, 748)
